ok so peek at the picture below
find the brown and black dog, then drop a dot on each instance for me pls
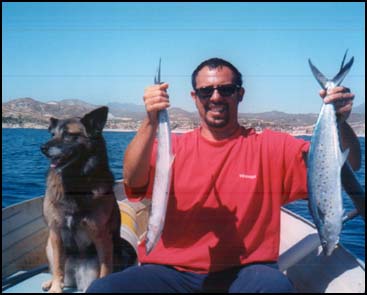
(80, 207)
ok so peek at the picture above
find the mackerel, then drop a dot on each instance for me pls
(162, 177)
(325, 161)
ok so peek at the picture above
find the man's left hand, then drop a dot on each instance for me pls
(342, 99)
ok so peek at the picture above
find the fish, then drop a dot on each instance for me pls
(325, 161)
(162, 177)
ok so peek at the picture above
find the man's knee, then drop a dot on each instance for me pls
(116, 282)
(97, 286)
(261, 278)
(107, 284)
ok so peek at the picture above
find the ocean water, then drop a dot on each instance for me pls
(24, 170)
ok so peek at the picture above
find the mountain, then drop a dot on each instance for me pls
(124, 110)
(359, 109)
(30, 113)
(281, 117)
(29, 107)
(126, 107)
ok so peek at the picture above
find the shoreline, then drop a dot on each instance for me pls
(173, 131)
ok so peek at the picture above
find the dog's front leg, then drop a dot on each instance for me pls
(102, 240)
(57, 263)
(104, 248)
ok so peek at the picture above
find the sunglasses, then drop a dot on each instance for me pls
(224, 90)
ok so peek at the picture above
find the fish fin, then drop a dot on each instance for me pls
(151, 243)
(148, 247)
(318, 75)
(344, 57)
(172, 159)
(344, 157)
(339, 77)
(350, 215)
(321, 214)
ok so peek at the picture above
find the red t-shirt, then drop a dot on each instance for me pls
(224, 205)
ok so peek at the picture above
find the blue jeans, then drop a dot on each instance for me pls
(154, 278)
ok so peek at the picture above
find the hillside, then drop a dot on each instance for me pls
(30, 113)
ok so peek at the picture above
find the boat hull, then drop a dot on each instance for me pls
(301, 257)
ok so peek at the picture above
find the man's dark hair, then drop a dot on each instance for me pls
(214, 63)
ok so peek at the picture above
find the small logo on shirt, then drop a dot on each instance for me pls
(247, 176)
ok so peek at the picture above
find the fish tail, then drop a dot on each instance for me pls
(339, 77)
(318, 75)
(148, 246)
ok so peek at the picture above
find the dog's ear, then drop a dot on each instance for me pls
(53, 124)
(95, 121)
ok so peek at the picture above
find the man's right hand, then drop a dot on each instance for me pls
(155, 99)
(138, 153)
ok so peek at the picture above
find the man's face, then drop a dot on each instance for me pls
(218, 110)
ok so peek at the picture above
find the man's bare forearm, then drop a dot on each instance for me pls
(138, 154)
(350, 140)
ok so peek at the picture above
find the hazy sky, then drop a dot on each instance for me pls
(108, 52)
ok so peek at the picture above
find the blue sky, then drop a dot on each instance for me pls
(108, 52)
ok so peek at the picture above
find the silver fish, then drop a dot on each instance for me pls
(162, 178)
(325, 161)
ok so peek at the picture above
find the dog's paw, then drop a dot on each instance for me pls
(52, 287)
(56, 289)
(46, 285)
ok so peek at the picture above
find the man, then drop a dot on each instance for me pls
(222, 228)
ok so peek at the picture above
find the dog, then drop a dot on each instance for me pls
(79, 207)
